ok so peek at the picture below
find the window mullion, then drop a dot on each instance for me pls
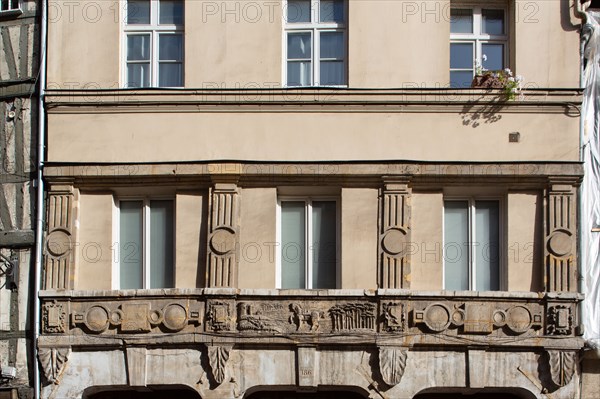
(145, 245)
(316, 57)
(308, 246)
(472, 245)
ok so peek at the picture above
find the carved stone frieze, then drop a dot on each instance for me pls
(217, 359)
(562, 366)
(219, 316)
(60, 237)
(223, 234)
(306, 320)
(137, 317)
(262, 317)
(54, 318)
(561, 230)
(353, 316)
(394, 234)
(559, 320)
(392, 363)
(478, 318)
(393, 317)
(53, 361)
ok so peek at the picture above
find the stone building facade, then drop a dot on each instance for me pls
(300, 199)
(19, 58)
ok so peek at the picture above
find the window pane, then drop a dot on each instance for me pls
(487, 262)
(461, 55)
(170, 47)
(493, 59)
(324, 244)
(461, 79)
(332, 73)
(456, 245)
(138, 75)
(332, 11)
(299, 46)
(293, 220)
(138, 47)
(170, 75)
(299, 73)
(171, 12)
(492, 22)
(332, 45)
(130, 247)
(461, 20)
(161, 244)
(298, 11)
(138, 12)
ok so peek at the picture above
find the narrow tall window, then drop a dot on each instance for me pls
(154, 43)
(315, 43)
(478, 37)
(472, 245)
(308, 242)
(145, 244)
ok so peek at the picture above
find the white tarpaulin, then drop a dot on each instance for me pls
(590, 203)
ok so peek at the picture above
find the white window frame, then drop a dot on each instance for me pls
(478, 38)
(116, 247)
(502, 284)
(315, 28)
(10, 8)
(154, 29)
(308, 255)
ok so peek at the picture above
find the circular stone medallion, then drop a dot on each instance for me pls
(394, 242)
(58, 243)
(518, 319)
(222, 241)
(175, 317)
(437, 317)
(560, 243)
(97, 318)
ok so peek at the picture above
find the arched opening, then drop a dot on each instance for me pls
(488, 393)
(151, 392)
(305, 395)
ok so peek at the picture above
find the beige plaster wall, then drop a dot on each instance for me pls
(401, 43)
(524, 247)
(258, 238)
(94, 268)
(83, 44)
(314, 136)
(233, 44)
(190, 239)
(547, 43)
(359, 238)
(427, 241)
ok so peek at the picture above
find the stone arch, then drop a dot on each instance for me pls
(465, 393)
(288, 392)
(148, 392)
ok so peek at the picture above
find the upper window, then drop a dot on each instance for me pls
(472, 244)
(308, 231)
(154, 43)
(145, 244)
(315, 43)
(478, 38)
(10, 7)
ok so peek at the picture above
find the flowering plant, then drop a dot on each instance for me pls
(503, 79)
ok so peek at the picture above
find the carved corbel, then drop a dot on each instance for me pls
(217, 360)
(562, 366)
(392, 363)
(394, 233)
(59, 260)
(223, 237)
(560, 235)
(53, 361)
